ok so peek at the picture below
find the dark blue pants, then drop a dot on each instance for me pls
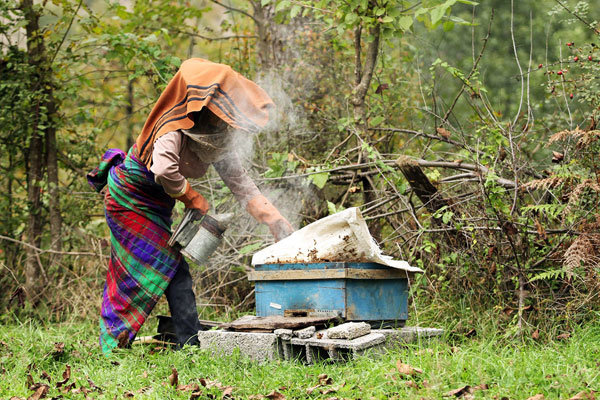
(182, 304)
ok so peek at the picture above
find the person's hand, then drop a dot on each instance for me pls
(281, 229)
(193, 199)
(264, 212)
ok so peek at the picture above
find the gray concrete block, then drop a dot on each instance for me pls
(359, 343)
(285, 334)
(305, 333)
(409, 334)
(256, 346)
(349, 330)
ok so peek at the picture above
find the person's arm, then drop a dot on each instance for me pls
(244, 189)
(165, 166)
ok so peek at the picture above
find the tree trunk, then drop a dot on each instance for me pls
(52, 179)
(362, 82)
(35, 151)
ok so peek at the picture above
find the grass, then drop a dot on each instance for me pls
(556, 369)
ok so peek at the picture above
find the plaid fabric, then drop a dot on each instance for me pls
(138, 213)
(98, 177)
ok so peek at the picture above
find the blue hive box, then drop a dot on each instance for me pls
(353, 291)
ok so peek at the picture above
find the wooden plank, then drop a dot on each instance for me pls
(343, 273)
(269, 324)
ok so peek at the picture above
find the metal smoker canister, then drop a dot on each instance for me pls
(199, 235)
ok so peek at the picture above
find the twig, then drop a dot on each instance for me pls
(42, 251)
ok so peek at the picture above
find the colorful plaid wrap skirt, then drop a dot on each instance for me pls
(138, 213)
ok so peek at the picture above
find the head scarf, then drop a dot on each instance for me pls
(199, 83)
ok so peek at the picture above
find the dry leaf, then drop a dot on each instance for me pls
(563, 336)
(443, 132)
(312, 389)
(66, 376)
(174, 377)
(324, 380)
(406, 369)
(275, 395)
(145, 374)
(458, 392)
(536, 334)
(411, 384)
(536, 397)
(46, 376)
(195, 394)
(227, 390)
(584, 395)
(194, 387)
(93, 386)
(59, 349)
(328, 391)
(128, 395)
(40, 392)
(123, 339)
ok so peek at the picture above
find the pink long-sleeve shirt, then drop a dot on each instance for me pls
(174, 161)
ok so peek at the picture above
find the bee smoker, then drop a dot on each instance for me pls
(198, 236)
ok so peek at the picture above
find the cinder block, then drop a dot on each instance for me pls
(256, 346)
(409, 334)
(285, 334)
(305, 333)
(349, 330)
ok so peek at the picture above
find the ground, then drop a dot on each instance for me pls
(67, 359)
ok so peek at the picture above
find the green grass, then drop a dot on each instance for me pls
(516, 370)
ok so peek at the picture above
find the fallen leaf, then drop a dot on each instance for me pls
(325, 380)
(128, 395)
(584, 395)
(411, 384)
(145, 374)
(194, 387)
(69, 387)
(66, 376)
(59, 349)
(312, 389)
(328, 391)
(46, 376)
(536, 334)
(471, 333)
(29, 380)
(563, 336)
(443, 132)
(536, 397)
(93, 386)
(115, 363)
(195, 394)
(174, 377)
(40, 392)
(275, 395)
(458, 392)
(406, 369)
(123, 339)
(227, 392)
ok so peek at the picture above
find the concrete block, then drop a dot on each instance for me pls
(409, 334)
(349, 330)
(256, 346)
(305, 333)
(285, 334)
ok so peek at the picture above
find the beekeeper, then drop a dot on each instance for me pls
(189, 128)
